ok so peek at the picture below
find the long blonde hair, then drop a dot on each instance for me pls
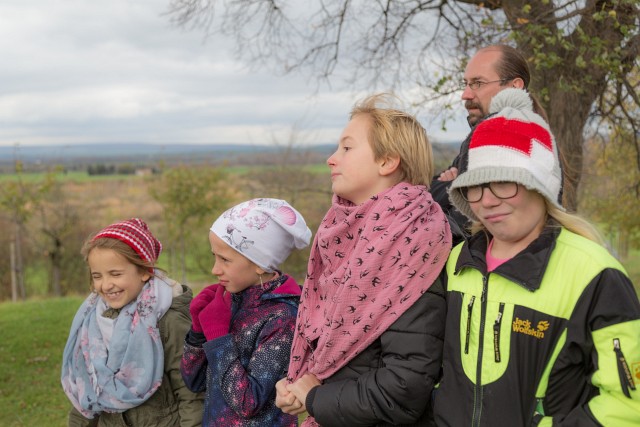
(574, 223)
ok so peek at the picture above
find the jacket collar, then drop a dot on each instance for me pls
(526, 269)
(283, 288)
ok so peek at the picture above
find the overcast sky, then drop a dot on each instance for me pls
(83, 71)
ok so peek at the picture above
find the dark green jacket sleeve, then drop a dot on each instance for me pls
(77, 420)
(175, 325)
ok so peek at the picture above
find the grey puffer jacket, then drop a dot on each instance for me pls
(173, 404)
(390, 383)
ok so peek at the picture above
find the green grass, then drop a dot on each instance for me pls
(32, 337)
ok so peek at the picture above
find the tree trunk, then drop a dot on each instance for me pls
(56, 267)
(568, 113)
(183, 256)
(18, 270)
(14, 280)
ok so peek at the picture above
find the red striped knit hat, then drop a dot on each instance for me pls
(135, 233)
(514, 144)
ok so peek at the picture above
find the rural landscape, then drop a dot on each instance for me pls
(94, 90)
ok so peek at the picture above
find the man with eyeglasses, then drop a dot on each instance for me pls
(489, 71)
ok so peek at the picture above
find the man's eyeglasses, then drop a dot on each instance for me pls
(477, 84)
(502, 190)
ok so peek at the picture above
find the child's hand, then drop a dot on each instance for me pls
(199, 303)
(449, 175)
(216, 316)
(301, 388)
(287, 401)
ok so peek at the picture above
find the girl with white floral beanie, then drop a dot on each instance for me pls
(243, 326)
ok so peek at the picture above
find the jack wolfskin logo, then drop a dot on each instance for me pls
(524, 327)
(635, 367)
(543, 325)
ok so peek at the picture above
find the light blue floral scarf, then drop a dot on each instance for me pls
(116, 373)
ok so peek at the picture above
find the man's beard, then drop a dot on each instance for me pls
(473, 119)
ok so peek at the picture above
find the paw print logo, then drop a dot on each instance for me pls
(543, 325)
(636, 371)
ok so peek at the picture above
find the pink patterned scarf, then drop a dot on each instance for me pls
(369, 263)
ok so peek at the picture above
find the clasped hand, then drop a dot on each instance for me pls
(291, 398)
(211, 312)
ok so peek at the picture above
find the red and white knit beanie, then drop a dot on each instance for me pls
(514, 144)
(135, 233)
(265, 231)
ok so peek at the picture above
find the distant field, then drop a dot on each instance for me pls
(76, 176)
(83, 176)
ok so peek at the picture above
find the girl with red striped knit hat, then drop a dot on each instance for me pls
(121, 363)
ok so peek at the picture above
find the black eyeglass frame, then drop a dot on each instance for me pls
(464, 191)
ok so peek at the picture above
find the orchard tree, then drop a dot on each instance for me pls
(190, 196)
(63, 231)
(579, 51)
(19, 200)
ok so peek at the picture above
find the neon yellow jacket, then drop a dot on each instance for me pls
(551, 337)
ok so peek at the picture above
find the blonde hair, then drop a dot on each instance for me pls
(120, 248)
(572, 222)
(396, 133)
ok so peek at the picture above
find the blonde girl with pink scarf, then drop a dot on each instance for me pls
(370, 326)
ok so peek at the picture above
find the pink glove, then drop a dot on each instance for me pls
(216, 316)
(199, 303)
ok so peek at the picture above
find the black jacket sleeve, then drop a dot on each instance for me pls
(398, 390)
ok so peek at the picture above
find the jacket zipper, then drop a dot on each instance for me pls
(477, 388)
(496, 333)
(626, 379)
(469, 311)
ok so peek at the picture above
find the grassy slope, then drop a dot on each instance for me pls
(32, 337)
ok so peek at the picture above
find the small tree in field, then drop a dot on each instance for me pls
(19, 200)
(62, 234)
(190, 196)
